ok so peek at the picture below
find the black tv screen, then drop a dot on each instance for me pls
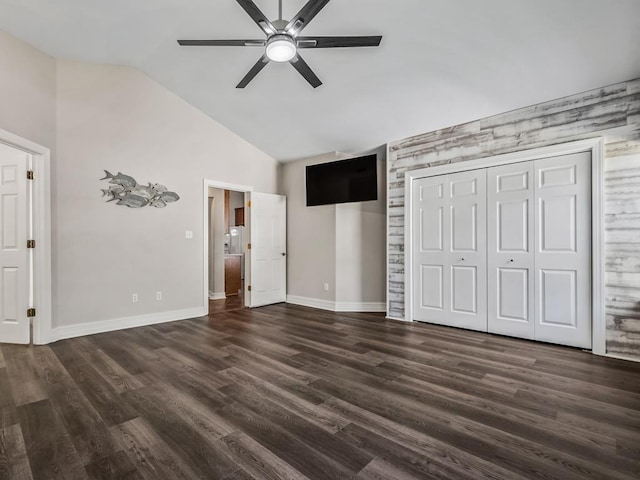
(353, 180)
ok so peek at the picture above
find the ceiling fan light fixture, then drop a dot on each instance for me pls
(281, 48)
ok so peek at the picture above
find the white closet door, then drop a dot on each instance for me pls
(510, 199)
(449, 250)
(563, 250)
(431, 276)
(467, 249)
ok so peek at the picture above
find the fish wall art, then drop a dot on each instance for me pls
(126, 191)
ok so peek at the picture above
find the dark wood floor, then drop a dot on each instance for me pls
(234, 302)
(290, 392)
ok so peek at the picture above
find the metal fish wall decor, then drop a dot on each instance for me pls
(127, 192)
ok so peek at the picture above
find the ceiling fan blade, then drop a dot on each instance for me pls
(335, 42)
(304, 16)
(222, 43)
(256, 14)
(301, 66)
(257, 68)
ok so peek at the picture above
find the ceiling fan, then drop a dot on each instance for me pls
(283, 40)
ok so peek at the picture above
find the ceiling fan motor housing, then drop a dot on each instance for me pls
(281, 47)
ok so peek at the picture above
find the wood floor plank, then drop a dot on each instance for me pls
(296, 453)
(8, 416)
(317, 438)
(85, 427)
(50, 369)
(114, 467)
(286, 391)
(106, 401)
(49, 448)
(151, 455)
(189, 433)
(26, 385)
(313, 413)
(381, 470)
(14, 463)
(259, 461)
(448, 457)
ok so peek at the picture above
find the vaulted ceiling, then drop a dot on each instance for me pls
(441, 62)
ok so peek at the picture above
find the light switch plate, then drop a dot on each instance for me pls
(188, 234)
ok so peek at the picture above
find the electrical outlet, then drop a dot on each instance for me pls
(134, 298)
(158, 295)
(326, 287)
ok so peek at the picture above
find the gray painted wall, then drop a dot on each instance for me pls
(342, 245)
(611, 112)
(97, 117)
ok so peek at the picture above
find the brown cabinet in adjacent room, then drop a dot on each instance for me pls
(232, 276)
(240, 217)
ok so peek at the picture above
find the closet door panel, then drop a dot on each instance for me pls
(429, 239)
(467, 249)
(510, 198)
(563, 250)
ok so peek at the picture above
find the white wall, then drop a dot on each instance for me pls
(118, 119)
(27, 91)
(342, 245)
(311, 240)
(96, 117)
(360, 248)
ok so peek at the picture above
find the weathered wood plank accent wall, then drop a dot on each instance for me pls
(612, 113)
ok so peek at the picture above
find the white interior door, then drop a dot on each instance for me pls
(563, 250)
(268, 227)
(510, 225)
(450, 250)
(14, 256)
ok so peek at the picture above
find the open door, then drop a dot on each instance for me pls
(268, 232)
(14, 255)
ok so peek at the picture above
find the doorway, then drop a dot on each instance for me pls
(263, 246)
(25, 241)
(228, 240)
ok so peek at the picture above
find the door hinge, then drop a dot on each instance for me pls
(249, 204)
(249, 288)
(29, 174)
(248, 246)
(31, 312)
(31, 244)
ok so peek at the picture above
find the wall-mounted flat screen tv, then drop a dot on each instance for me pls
(344, 181)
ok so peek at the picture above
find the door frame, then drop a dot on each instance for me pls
(206, 183)
(596, 147)
(41, 188)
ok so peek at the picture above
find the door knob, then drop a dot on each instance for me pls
(511, 261)
(283, 254)
(462, 259)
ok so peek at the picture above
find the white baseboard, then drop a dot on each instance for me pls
(82, 329)
(361, 307)
(621, 357)
(311, 302)
(337, 306)
(397, 319)
(217, 296)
